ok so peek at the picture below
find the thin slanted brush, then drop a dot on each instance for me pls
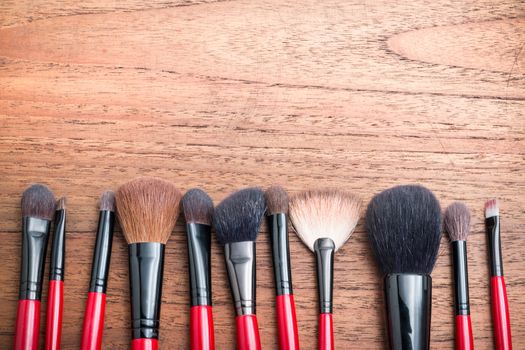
(198, 211)
(404, 230)
(38, 208)
(237, 220)
(324, 220)
(147, 210)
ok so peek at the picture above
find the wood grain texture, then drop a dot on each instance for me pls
(355, 94)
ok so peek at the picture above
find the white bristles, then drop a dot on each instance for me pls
(491, 208)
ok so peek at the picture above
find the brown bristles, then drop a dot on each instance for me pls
(61, 204)
(197, 207)
(38, 202)
(276, 200)
(147, 209)
(107, 201)
(457, 221)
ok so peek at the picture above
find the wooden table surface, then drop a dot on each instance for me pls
(360, 95)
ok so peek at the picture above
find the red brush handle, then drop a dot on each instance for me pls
(27, 325)
(500, 314)
(201, 328)
(55, 304)
(326, 332)
(144, 344)
(287, 322)
(464, 340)
(247, 333)
(93, 321)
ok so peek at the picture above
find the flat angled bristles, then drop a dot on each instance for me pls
(38, 202)
(61, 204)
(457, 221)
(276, 200)
(491, 208)
(238, 217)
(404, 229)
(107, 201)
(324, 214)
(197, 207)
(147, 209)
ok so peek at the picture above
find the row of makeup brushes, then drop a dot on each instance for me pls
(403, 225)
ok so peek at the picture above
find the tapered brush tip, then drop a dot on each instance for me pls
(38, 202)
(276, 200)
(197, 207)
(107, 201)
(457, 221)
(61, 203)
(491, 208)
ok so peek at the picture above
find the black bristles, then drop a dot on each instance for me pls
(197, 207)
(238, 217)
(404, 229)
(38, 202)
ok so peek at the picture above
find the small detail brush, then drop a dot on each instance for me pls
(237, 220)
(93, 326)
(324, 220)
(55, 299)
(500, 304)
(147, 209)
(457, 224)
(198, 211)
(277, 211)
(404, 230)
(38, 208)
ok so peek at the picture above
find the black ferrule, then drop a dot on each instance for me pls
(324, 252)
(459, 255)
(280, 253)
(35, 234)
(199, 256)
(146, 265)
(240, 263)
(408, 299)
(493, 234)
(58, 251)
(102, 253)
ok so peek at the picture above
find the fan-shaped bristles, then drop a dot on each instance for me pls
(324, 214)
(107, 201)
(491, 208)
(197, 207)
(38, 202)
(457, 221)
(276, 200)
(147, 209)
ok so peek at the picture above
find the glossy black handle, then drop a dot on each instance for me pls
(492, 227)
(58, 251)
(324, 251)
(459, 256)
(102, 253)
(199, 256)
(240, 264)
(280, 253)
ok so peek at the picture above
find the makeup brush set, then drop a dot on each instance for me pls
(403, 225)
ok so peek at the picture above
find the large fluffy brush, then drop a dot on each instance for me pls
(404, 229)
(198, 211)
(324, 220)
(147, 209)
(237, 220)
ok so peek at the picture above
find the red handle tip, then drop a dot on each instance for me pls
(247, 333)
(287, 323)
(326, 332)
(27, 325)
(201, 328)
(55, 304)
(500, 314)
(464, 340)
(93, 322)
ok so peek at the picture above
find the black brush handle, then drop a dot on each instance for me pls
(102, 253)
(240, 264)
(281, 253)
(199, 256)
(324, 251)
(459, 256)
(493, 233)
(58, 251)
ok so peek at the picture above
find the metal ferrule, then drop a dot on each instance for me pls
(280, 253)
(102, 253)
(324, 252)
(58, 250)
(240, 263)
(35, 234)
(408, 299)
(199, 256)
(459, 255)
(493, 235)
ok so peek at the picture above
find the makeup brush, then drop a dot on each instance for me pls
(198, 211)
(404, 230)
(237, 220)
(147, 210)
(277, 211)
(93, 327)
(38, 207)
(324, 220)
(457, 224)
(55, 299)
(500, 305)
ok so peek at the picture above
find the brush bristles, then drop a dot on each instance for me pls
(61, 204)
(238, 217)
(276, 200)
(38, 202)
(147, 209)
(404, 229)
(197, 207)
(491, 208)
(107, 201)
(324, 214)
(457, 221)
